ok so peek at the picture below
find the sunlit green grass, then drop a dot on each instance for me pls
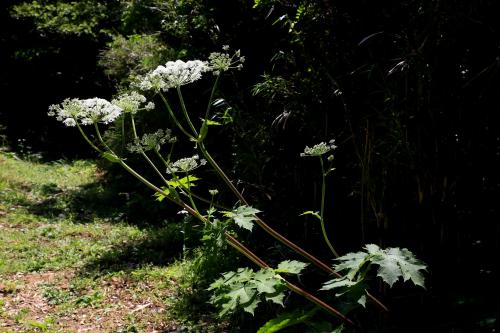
(54, 219)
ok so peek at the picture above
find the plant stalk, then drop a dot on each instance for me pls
(249, 254)
(322, 212)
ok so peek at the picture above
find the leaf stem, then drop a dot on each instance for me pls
(322, 211)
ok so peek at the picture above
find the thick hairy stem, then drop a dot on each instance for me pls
(249, 254)
(322, 211)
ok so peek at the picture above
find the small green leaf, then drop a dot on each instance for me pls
(184, 182)
(276, 298)
(243, 216)
(212, 123)
(111, 157)
(313, 213)
(290, 266)
(160, 196)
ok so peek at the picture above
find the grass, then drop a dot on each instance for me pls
(69, 261)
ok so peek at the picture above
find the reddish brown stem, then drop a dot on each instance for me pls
(249, 254)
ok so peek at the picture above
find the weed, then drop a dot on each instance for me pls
(94, 300)
(43, 326)
(54, 295)
(20, 315)
(9, 287)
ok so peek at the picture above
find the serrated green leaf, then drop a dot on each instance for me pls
(243, 216)
(352, 262)
(286, 320)
(290, 266)
(389, 270)
(395, 263)
(251, 306)
(160, 196)
(242, 294)
(276, 298)
(265, 281)
(342, 282)
(245, 288)
(184, 182)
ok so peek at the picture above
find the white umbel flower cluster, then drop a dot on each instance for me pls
(186, 164)
(132, 102)
(174, 74)
(85, 112)
(319, 149)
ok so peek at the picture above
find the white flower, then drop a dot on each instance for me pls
(174, 74)
(99, 110)
(186, 164)
(319, 149)
(131, 102)
(85, 112)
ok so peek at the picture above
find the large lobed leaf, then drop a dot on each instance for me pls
(245, 288)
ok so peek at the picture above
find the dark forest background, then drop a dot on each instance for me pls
(410, 91)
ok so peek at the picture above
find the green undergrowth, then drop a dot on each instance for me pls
(61, 235)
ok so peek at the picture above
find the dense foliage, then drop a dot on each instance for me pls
(407, 89)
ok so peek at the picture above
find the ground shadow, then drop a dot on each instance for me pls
(100, 200)
(160, 247)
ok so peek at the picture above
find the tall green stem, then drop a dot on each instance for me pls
(184, 111)
(190, 195)
(322, 211)
(174, 118)
(260, 222)
(212, 94)
(88, 140)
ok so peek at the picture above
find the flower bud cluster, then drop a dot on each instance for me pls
(132, 102)
(319, 149)
(85, 112)
(186, 164)
(152, 141)
(221, 62)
